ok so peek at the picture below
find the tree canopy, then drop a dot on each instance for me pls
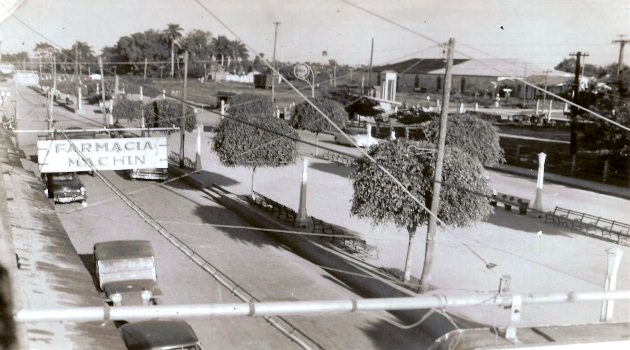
(378, 198)
(245, 105)
(244, 140)
(166, 113)
(306, 117)
(471, 134)
(353, 103)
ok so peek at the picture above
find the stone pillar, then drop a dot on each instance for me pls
(614, 259)
(302, 215)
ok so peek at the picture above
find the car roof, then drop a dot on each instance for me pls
(157, 334)
(113, 250)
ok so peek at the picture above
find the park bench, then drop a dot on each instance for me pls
(338, 158)
(612, 230)
(326, 228)
(353, 245)
(274, 208)
(509, 201)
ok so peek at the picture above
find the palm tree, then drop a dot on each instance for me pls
(173, 34)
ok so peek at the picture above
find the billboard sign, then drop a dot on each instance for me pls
(301, 71)
(56, 156)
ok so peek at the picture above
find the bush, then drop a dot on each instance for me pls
(167, 113)
(127, 109)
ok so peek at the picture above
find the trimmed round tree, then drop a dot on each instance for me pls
(471, 134)
(255, 141)
(306, 117)
(128, 109)
(378, 198)
(250, 105)
(165, 113)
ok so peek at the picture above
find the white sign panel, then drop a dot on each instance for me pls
(56, 156)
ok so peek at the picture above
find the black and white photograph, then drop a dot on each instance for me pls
(314, 174)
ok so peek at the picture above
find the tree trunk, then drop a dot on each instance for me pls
(412, 236)
(253, 183)
(316, 144)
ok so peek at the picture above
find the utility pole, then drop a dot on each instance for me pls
(574, 109)
(437, 181)
(145, 68)
(182, 121)
(103, 110)
(545, 94)
(273, 79)
(524, 85)
(622, 43)
(370, 69)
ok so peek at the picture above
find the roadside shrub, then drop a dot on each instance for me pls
(127, 109)
(166, 113)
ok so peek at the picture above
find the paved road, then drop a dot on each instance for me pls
(262, 267)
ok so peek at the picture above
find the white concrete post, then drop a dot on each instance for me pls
(566, 107)
(222, 108)
(302, 213)
(392, 135)
(614, 259)
(476, 107)
(198, 155)
(141, 94)
(461, 108)
(369, 134)
(549, 114)
(79, 97)
(163, 94)
(537, 106)
(539, 183)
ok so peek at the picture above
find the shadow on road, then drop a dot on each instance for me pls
(228, 222)
(526, 223)
(333, 168)
(401, 338)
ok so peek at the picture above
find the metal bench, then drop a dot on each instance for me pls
(611, 230)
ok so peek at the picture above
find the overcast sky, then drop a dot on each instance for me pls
(540, 32)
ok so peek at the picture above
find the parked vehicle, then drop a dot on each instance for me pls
(125, 271)
(64, 188)
(159, 174)
(160, 334)
(358, 135)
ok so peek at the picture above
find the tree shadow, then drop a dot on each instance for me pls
(527, 223)
(221, 216)
(333, 168)
(209, 177)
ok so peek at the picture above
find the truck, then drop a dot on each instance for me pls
(125, 271)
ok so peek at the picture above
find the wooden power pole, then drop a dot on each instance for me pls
(574, 110)
(622, 43)
(182, 121)
(273, 75)
(439, 163)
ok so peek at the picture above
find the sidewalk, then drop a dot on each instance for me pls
(556, 261)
